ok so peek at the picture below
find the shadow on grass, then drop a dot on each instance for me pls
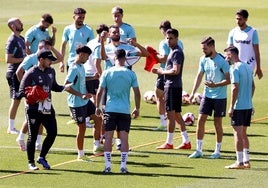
(73, 135)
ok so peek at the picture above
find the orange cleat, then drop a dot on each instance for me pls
(184, 146)
(165, 146)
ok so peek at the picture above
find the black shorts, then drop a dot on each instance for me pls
(14, 85)
(208, 105)
(92, 86)
(160, 82)
(79, 114)
(117, 121)
(241, 118)
(173, 99)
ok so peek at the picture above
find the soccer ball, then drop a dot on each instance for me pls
(184, 98)
(188, 118)
(149, 97)
(197, 98)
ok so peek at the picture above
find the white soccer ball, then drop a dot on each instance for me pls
(184, 98)
(197, 98)
(188, 118)
(149, 97)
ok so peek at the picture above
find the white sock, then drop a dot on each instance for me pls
(38, 140)
(163, 120)
(87, 119)
(185, 138)
(218, 147)
(245, 155)
(11, 124)
(124, 157)
(239, 157)
(97, 143)
(107, 157)
(199, 144)
(21, 136)
(81, 153)
(170, 138)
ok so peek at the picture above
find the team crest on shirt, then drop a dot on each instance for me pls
(50, 76)
(32, 121)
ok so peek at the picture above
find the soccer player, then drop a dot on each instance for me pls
(40, 110)
(28, 62)
(108, 53)
(40, 32)
(173, 90)
(240, 106)
(126, 31)
(118, 80)
(15, 53)
(246, 39)
(93, 66)
(79, 103)
(216, 70)
(75, 34)
(164, 50)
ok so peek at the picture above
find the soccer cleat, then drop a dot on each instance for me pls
(160, 128)
(43, 162)
(38, 146)
(107, 170)
(215, 156)
(21, 144)
(247, 164)
(184, 146)
(235, 166)
(165, 146)
(32, 166)
(196, 154)
(13, 131)
(123, 170)
(98, 149)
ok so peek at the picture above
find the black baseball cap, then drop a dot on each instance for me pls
(46, 54)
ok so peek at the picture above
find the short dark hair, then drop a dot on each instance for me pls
(232, 49)
(243, 13)
(113, 26)
(45, 42)
(120, 53)
(175, 32)
(83, 49)
(208, 41)
(101, 28)
(47, 18)
(80, 11)
(117, 10)
(165, 25)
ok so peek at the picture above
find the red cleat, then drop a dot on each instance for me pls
(184, 146)
(165, 146)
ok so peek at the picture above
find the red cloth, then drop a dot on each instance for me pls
(34, 94)
(151, 60)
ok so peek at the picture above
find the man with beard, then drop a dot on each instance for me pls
(15, 53)
(75, 34)
(108, 54)
(40, 32)
(216, 70)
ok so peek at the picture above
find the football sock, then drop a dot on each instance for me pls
(217, 147)
(199, 144)
(245, 155)
(38, 140)
(239, 157)
(11, 124)
(81, 153)
(170, 138)
(96, 142)
(21, 136)
(124, 156)
(163, 120)
(185, 138)
(107, 157)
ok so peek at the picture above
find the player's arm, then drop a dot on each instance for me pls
(11, 59)
(62, 51)
(143, 52)
(28, 44)
(57, 54)
(20, 72)
(137, 97)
